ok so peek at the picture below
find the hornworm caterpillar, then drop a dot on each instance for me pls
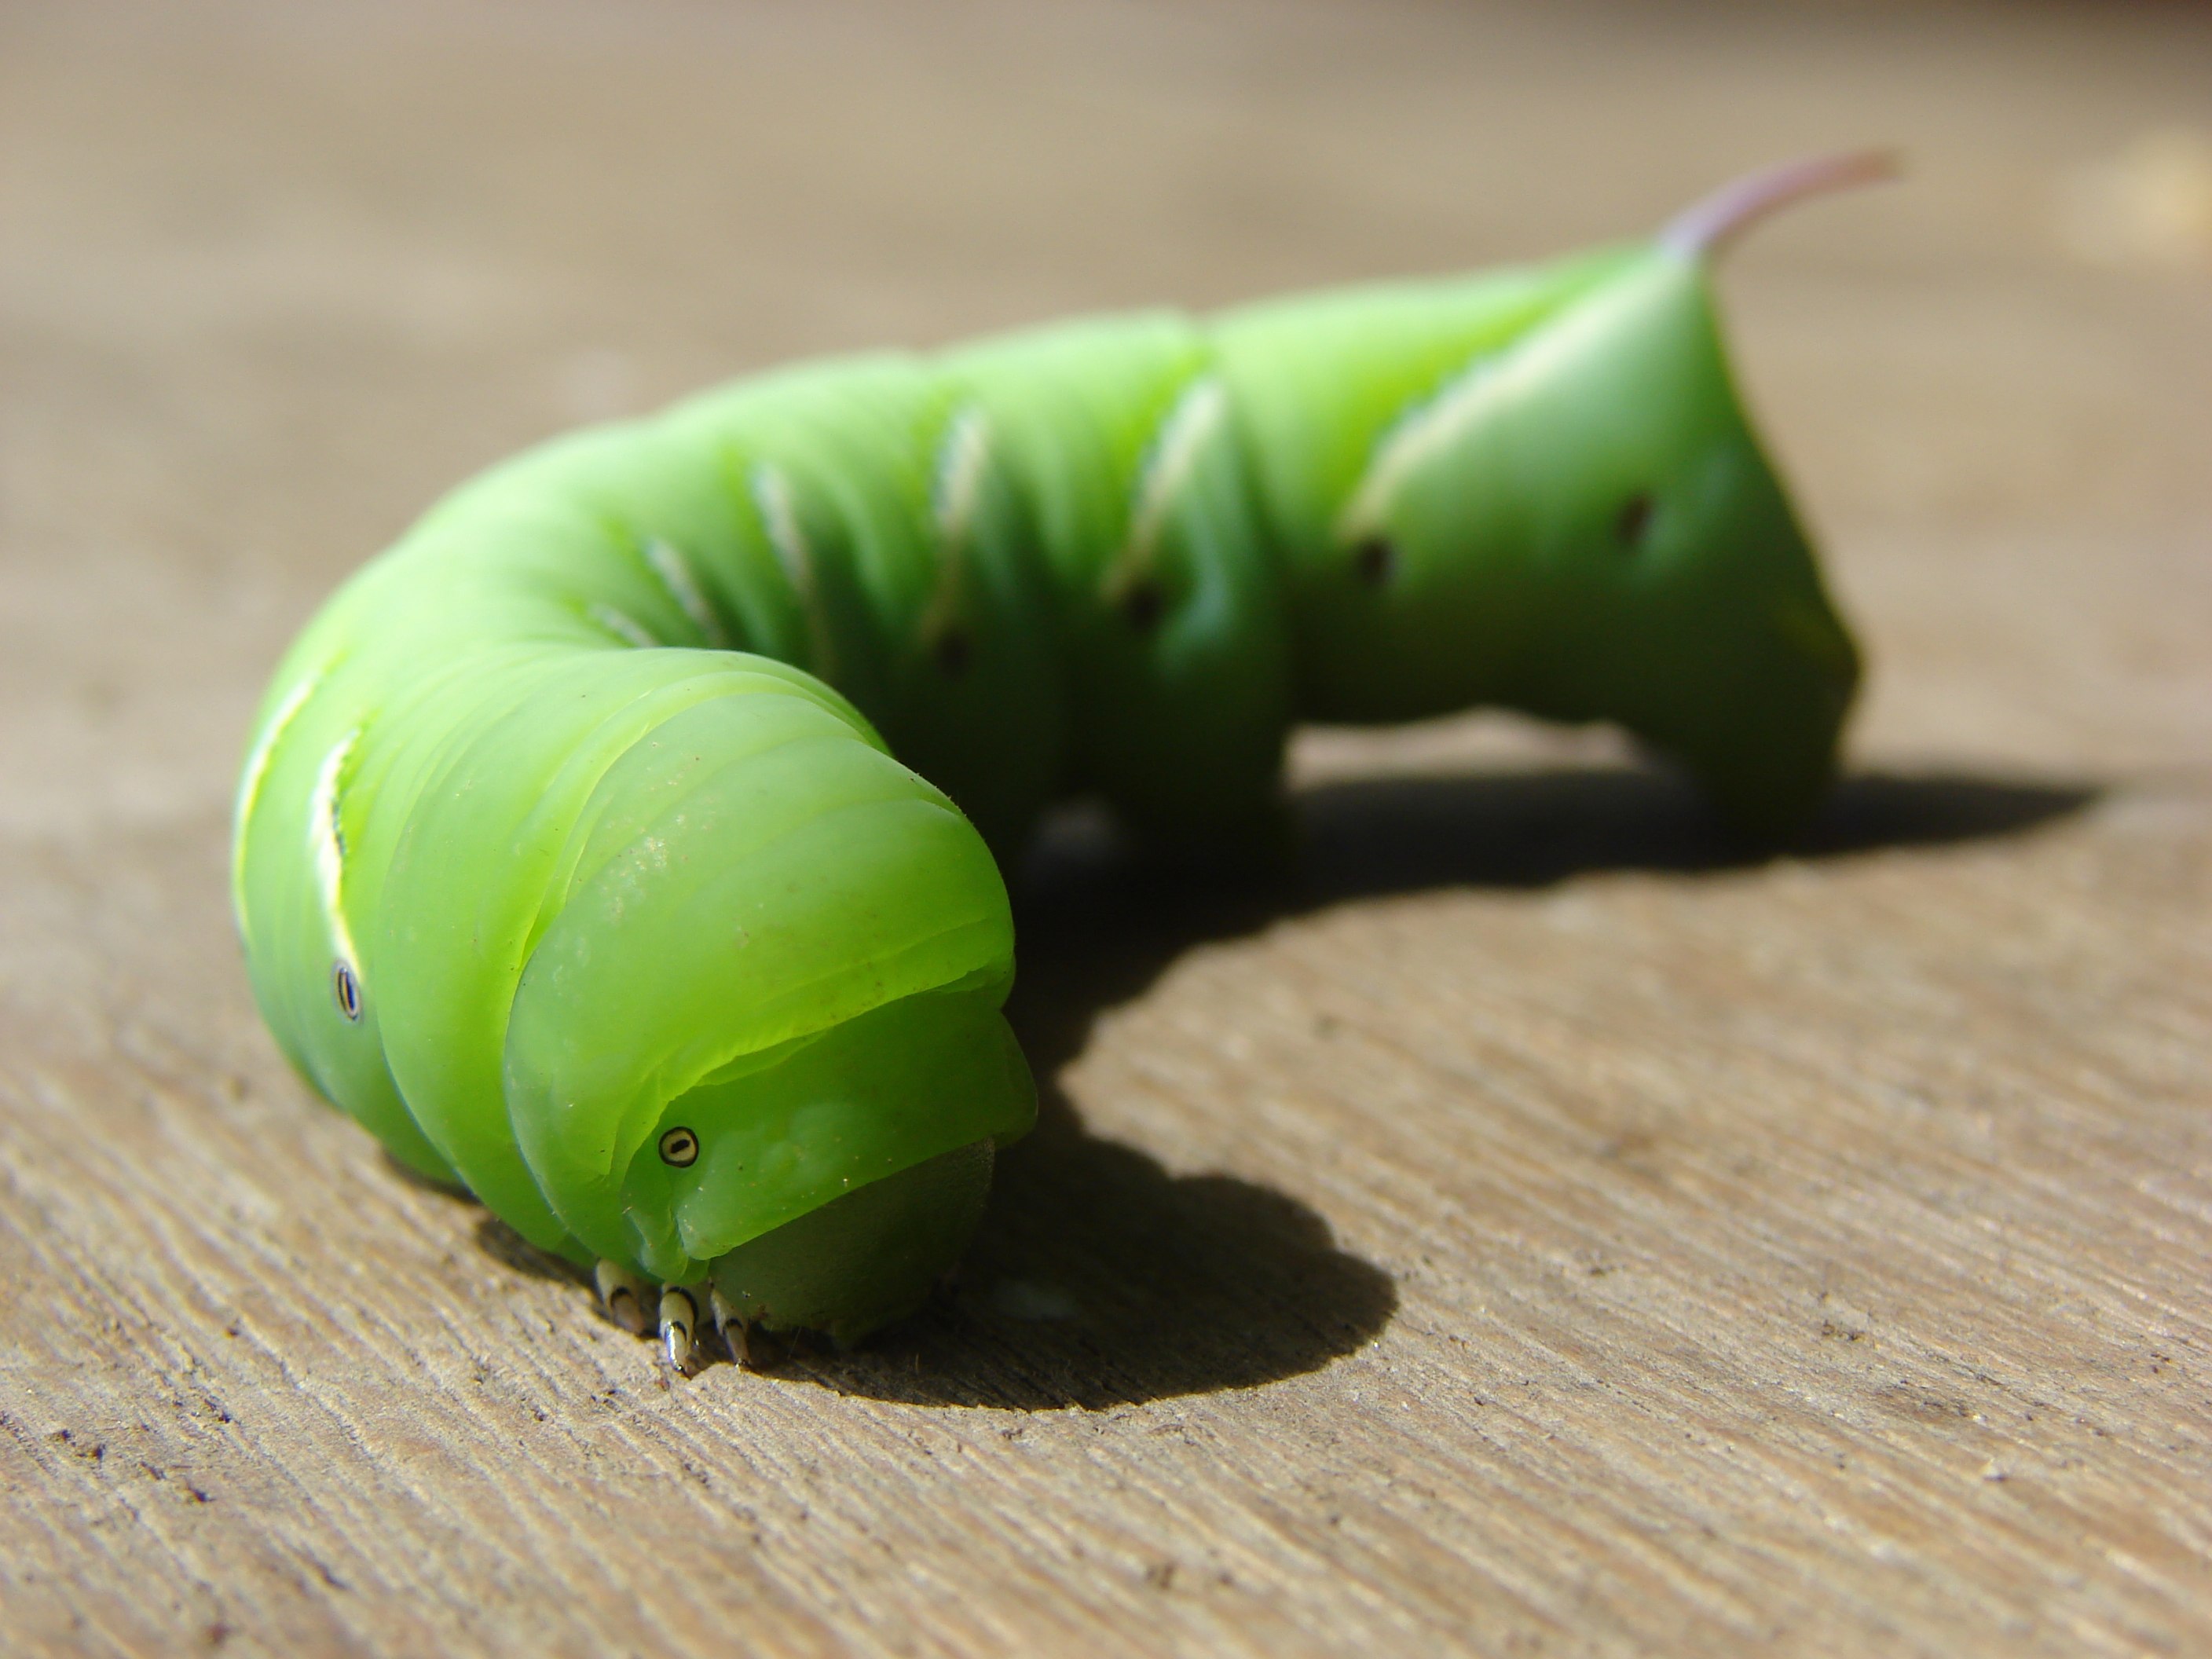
(572, 856)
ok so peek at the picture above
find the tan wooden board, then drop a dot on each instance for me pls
(1536, 1229)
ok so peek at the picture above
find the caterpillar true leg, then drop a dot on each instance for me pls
(731, 1327)
(679, 1327)
(623, 1294)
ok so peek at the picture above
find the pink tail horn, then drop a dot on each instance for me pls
(1704, 229)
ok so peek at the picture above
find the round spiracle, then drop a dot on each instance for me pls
(1634, 522)
(1144, 605)
(679, 1148)
(345, 988)
(953, 650)
(1374, 559)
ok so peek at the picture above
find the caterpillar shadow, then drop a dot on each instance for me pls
(1100, 1278)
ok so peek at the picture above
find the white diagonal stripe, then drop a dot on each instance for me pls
(1182, 436)
(326, 845)
(779, 517)
(676, 575)
(962, 461)
(624, 626)
(249, 784)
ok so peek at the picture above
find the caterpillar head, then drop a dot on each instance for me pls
(1585, 525)
(834, 1138)
(761, 1040)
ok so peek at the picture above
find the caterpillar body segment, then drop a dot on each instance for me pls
(620, 844)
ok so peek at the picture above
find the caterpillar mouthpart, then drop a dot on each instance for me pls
(827, 1183)
(863, 1261)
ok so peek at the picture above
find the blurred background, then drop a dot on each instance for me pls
(272, 277)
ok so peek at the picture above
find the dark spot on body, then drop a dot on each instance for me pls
(346, 989)
(1374, 559)
(952, 651)
(1144, 603)
(1633, 522)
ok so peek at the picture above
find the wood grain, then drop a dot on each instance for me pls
(1536, 1226)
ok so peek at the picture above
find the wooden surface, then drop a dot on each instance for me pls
(1538, 1230)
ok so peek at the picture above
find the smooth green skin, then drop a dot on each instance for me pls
(590, 892)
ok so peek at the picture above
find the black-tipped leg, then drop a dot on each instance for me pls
(679, 1327)
(730, 1326)
(623, 1294)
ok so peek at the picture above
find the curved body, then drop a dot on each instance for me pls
(648, 786)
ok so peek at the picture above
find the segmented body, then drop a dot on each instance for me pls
(581, 801)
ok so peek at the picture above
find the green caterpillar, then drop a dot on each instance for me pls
(572, 857)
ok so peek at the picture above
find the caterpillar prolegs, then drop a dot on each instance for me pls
(618, 845)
